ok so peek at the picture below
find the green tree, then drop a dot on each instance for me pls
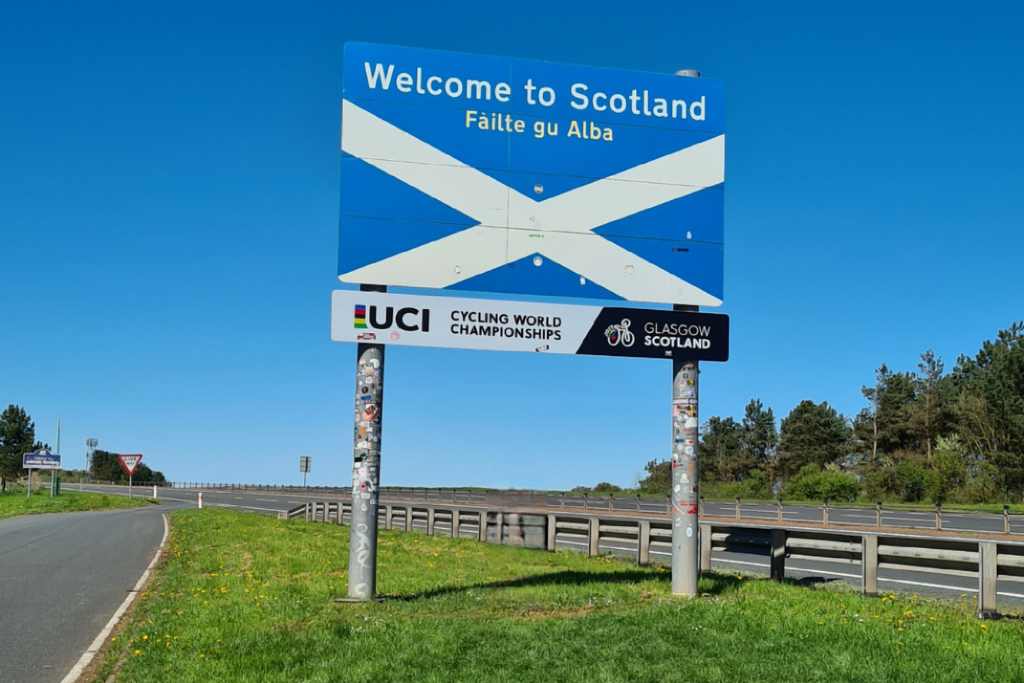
(990, 405)
(659, 477)
(897, 395)
(930, 414)
(106, 468)
(17, 437)
(721, 450)
(760, 439)
(813, 433)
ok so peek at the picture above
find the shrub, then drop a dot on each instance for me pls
(756, 485)
(983, 485)
(813, 483)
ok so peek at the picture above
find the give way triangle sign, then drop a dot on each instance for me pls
(129, 462)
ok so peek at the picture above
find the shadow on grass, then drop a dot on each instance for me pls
(719, 583)
(810, 580)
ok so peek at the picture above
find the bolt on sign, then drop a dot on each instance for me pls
(490, 174)
(129, 462)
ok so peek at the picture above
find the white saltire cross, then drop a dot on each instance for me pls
(509, 222)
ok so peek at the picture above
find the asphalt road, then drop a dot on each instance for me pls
(1010, 593)
(62, 576)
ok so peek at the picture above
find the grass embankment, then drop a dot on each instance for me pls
(15, 502)
(241, 597)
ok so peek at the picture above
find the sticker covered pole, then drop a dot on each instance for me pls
(685, 468)
(685, 477)
(369, 409)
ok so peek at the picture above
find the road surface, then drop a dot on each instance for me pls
(62, 576)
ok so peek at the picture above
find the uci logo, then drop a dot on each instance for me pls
(381, 318)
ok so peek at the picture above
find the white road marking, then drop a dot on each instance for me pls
(905, 582)
(245, 507)
(97, 643)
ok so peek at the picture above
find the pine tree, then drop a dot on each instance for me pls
(17, 437)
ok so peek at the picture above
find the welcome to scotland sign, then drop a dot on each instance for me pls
(491, 174)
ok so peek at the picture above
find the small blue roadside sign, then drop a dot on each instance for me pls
(41, 460)
(491, 174)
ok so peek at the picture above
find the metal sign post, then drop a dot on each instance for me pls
(685, 476)
(685, 466)
(90, 445)
(39, 460)
(128, 463)
(369, 410)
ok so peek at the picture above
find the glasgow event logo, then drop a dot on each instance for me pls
(619, 334)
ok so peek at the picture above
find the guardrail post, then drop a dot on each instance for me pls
(551, 531)
(387, 518)
(778, 555)
(705, 547)
(586, 503)
(638, 503)
(643, 554)
(878, 514)
(737, 515)
(987, 574)
(869, 565)
(778, 509)
(305, 512)
(499, 518)
(455, 523)
(484, 515)
(938, 516)
(1006, 519)
(594, 537)
(824, 513)
(408, 517)
(430, 521)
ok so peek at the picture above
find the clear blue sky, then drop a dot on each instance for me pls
(169, 205)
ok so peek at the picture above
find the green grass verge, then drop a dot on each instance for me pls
(14, 503)
(241, 597)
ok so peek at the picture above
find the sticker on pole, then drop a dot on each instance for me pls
(498, 325)
(129, 462)
(493, 174)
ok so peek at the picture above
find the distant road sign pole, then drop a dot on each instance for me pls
(90, 445)
(128, 463)
(369, 410)
(685, 467)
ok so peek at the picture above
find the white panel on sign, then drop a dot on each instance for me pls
(498, 325)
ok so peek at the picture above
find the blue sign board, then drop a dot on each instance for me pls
(490, 174)
(41, 460)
